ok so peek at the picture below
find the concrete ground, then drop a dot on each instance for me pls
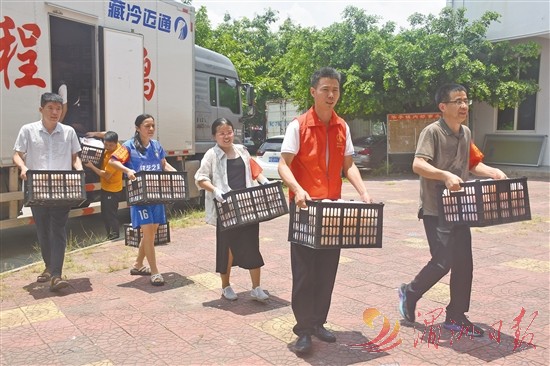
(107, 317)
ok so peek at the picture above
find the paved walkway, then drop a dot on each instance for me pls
(108, 317)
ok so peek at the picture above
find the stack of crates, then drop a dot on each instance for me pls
(485, 203)
(336, 224)
(132, 237)
(55, 188)
(151, 188)
(251, 205)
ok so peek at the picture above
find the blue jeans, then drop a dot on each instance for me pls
(51, 228)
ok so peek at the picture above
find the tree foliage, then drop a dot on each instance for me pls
(384, 70)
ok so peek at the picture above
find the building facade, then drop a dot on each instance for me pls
(515, 136)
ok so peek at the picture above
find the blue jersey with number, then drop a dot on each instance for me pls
(149, 161)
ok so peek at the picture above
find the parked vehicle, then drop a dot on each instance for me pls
(268, 156)
(370, 151)
(121, 59)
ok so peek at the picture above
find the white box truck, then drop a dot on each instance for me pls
(118, 59)
(279, 113)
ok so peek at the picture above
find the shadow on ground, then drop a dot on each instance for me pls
(246, 305)
(172, 281)
(41, 290)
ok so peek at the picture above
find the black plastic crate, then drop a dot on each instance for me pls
(485, 202)
(157, 188)
(93, 154)
(251, 205)
(336, 224)
(55, 188)
(132, 236)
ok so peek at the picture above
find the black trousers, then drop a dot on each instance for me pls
(313, 276)
(51, 228)
(451, 250)
(109, 211)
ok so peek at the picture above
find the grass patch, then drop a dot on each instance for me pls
(186, 218)
(116, 267)
(533, 224)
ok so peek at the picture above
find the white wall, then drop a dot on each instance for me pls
(518, 18)
(484, 117)
(520, 21)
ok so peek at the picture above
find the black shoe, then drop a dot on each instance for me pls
(303, 345)
(459, 323)
(323, 334)
(407, 306)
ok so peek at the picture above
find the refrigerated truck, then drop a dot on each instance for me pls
(118, 59)
(279, 113)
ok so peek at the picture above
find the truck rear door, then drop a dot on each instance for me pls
(123, 81)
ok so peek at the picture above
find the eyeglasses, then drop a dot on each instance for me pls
(224, 134)
(459, 102)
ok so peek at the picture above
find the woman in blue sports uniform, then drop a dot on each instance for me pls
(137, 154)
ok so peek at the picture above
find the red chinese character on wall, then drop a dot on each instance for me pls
(28, 36)
(148, 84)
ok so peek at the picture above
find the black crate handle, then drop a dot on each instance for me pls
(462, 192)
(459, 193)
(134, 182)
(303, 213)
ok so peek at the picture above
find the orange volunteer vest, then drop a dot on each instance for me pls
(309, 165)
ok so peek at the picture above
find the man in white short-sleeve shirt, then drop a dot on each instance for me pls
(49, 145)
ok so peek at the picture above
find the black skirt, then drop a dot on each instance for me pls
(244, 243)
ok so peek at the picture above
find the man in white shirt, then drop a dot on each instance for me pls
(49, 145)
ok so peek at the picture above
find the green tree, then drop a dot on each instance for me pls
(450, 49)
(203, 27)
(252, 46)
(384, 70)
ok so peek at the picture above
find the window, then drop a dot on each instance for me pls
(229, 96)
(213, 92)
(521, 118)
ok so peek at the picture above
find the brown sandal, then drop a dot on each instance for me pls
(57, 284)
(44, 276)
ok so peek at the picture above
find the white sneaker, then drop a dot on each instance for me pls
(229, 294)
(259, 294)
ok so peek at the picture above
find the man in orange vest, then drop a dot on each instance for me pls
(316, 149)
